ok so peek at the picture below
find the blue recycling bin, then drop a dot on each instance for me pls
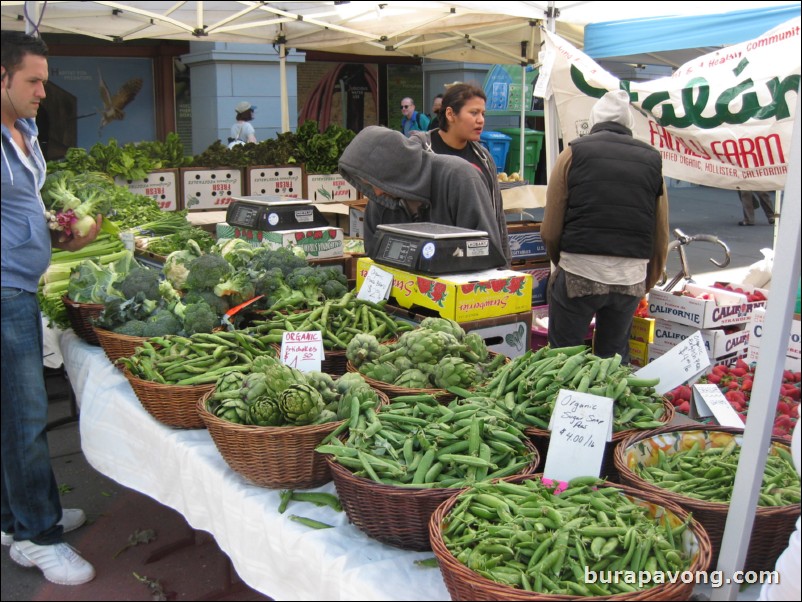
(498, 144)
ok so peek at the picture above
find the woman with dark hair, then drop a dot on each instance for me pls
(462, 119)
(242, 131)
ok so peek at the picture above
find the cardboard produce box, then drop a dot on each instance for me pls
(281, 180)
(723, 308)
(356, 218)
(460, 297)
(317, 243)
(540, 270)
(162, 185)
(718, 341)
(793, 354)
(508, 335)
(642, 329)
(210, 189)
(525, 240)
(329, 188)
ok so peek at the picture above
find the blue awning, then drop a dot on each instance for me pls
(651, 35)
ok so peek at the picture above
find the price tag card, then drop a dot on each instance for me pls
(581, 425)
(376, 286)
(681, 364)
(710, 401)
(302, 350)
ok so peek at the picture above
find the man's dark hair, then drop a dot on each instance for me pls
(455, 97)
(15, 45)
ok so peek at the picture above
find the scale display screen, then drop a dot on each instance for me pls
(398, 249)
(245, 216)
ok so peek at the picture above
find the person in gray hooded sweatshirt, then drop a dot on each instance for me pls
(407, 183)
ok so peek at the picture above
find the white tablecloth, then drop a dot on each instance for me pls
(183, 469)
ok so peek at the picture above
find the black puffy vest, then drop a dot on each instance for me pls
(613, 185)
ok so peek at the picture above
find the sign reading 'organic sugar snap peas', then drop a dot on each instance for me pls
(581, 424)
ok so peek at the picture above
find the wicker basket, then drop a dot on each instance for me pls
(81, 316)
(173, 405)
(398, 516)
(773, 525)
(464, 584)
(118, 345)
(609, 470)
(272, 456)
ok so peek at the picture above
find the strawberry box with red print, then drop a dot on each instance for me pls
(459, 297)
(317, 243)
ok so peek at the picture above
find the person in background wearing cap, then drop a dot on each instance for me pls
(242, 131)
(605, 227)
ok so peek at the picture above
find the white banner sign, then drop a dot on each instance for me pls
(722, 120)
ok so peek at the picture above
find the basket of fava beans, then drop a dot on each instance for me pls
(695, 467)
(528, 540)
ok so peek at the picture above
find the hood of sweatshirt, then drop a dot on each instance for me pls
(390, 161)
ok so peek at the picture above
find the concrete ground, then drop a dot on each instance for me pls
(183, 564)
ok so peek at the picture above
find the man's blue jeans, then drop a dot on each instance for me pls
(31, 507)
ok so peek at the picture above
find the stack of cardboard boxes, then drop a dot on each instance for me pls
(720, 315)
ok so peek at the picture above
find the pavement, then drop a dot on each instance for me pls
(184, 564)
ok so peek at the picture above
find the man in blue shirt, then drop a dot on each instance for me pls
(33, 522)
(412, 120)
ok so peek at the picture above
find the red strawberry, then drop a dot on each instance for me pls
(732, 385)
(299, 236)
(515, 284)
(739, 363)
(332, 233)
(317, 234)
(498, 285)
(746, 384)
(684, 392)
(738, 371)
(439, 290)
(684, 407)
(424, 284)
(713, 378)
(467, 288)
(259, 235)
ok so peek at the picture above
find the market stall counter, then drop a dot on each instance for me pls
(184, 470)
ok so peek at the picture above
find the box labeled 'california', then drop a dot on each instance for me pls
(317, 243)
(702, 306)
(459, 297)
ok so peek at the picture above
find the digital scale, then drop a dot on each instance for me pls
(432, 249)
(272, 213)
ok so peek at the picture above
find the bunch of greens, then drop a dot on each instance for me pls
(164, 245)
(130, 161)
(93, 282)
(320, 152)
(281, 150)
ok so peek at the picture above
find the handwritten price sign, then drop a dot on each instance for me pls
(376, 286)
(302, 350)
(683, 363)
(581, 424)
(710, 401)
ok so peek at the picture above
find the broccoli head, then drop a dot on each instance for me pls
(238, 287)
(162, 322)
(307, 280)
(199, 317)
(220, 305)
(133, 328)
(283, 258)
(333, 289)
(141, 280)
(206, 271)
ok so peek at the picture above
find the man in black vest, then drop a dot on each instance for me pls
(606, 228)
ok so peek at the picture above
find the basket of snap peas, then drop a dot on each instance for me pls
(267, 423)
(396, 467)
(695, 465)
(169, 374)
(117, 345)
(523, 540)
(536, 379)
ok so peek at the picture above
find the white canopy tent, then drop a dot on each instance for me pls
(461, 31)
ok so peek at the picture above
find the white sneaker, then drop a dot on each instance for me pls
(59, 562)
(71, 519)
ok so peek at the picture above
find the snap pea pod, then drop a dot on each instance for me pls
(564, 538)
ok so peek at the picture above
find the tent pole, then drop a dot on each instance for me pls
(549, 108)
(285, 105)
(766, 388)
(33, 10)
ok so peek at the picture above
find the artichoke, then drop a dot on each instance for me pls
(278, 377)
(424, 346)
(230, 381)
(383, 371)
(265, 411)
(477, 344)
(443, 325)
(324, 384)
(348, 381)
(301, 404)
(254, 386)
(363, 348)
(403, 363)
(454, 372)
(413, 379)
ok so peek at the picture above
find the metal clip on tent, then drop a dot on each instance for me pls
(680, 244)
